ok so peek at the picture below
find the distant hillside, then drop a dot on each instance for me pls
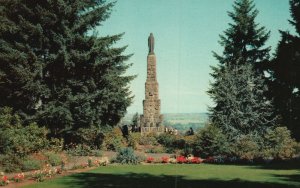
(180, 121)
(183, 121)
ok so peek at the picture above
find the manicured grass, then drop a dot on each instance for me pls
(181, 176)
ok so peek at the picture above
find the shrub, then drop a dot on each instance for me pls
(133, 140)
(91, 136)
(11, 163)
(246, 148)
(56, 144)
(156, 149)
(113, 139)
(279, 144)
(90, 164)
(18, 139)
(149, 139)
(80, 150)
(23, 140)
(31, 164)
(53, 158)
(210, 141)
(167, 140)
(98, 153)
(8, 119)
(126, 156)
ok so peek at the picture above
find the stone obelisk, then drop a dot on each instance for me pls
(151, 120)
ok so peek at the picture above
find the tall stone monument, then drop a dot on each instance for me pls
(151, 120)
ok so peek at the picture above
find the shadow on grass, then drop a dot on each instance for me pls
(134, 180)
(290, 178)
(282, 165)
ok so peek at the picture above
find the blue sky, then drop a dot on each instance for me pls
(186, 32)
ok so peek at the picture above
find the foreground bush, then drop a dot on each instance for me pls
(245, 148)
(126, 156)
(149, 139)
(19, 139)
(113, 139)
(11, 162)
(279, 144)
(210, 141)
(23, 140)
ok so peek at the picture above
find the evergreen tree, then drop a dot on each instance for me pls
(241, 106)
(285, 74)
(239, 87)
(244, 40)
(73, 78)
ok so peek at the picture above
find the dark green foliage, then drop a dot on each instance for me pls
(167, 140)
(149, 139)
(23, 140)
(246, 148)
(285, 74)
(11, 162)
(54, 70)
(80, 150)
(173, 143)
(18, 139)
(244, 40)
(210, 141)
(279, 144)
(126, 156)
(238, 91)
(242, 107)
(113, 139)
(91, 136)
(135, 122)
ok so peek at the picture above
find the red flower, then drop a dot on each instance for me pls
(5, 178)
(165, 159)
(196, 160)
(209, 160)
(150, 160)
(181, 159)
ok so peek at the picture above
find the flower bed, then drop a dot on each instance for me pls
(150, 160)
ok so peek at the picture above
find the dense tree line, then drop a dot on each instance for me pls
(285, 74)
(249, 106)
(56, 70)
(239, 86)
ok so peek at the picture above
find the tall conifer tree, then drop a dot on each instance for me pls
(285, 74)
(70, 78)
(238, 90)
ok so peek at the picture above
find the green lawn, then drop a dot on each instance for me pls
(181, 176)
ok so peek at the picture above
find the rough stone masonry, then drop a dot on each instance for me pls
(151, 120)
